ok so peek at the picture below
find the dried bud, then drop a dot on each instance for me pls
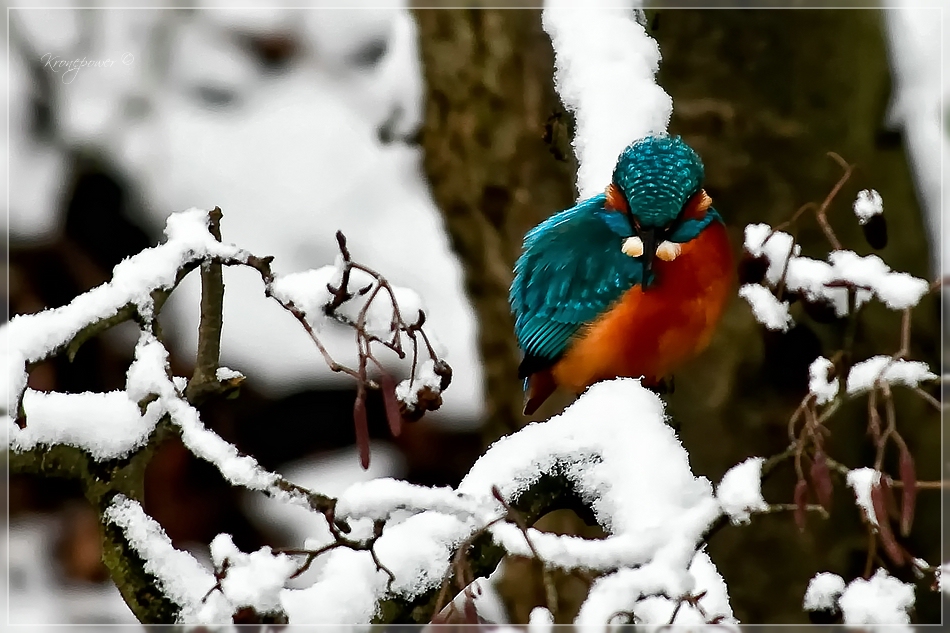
(443, 371)
(361, 425)
(427, 399)
(821, 480)
(801, 500)
(909, 494)
(875, 231)
(393, 415)
(752, 269)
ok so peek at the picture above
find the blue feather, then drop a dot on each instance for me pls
(572, 270)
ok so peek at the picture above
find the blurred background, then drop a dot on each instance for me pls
(434, 139)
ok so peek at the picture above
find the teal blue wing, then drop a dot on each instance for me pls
(571, 270)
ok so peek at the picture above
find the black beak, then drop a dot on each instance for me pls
(649, 252)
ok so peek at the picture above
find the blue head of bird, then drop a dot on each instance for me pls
(653, 181)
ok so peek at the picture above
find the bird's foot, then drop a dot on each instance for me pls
(661, 386)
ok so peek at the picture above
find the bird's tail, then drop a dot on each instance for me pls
(537, 388)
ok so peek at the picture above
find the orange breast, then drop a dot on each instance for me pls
(649, 333)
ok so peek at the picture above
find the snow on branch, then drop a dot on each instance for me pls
(179, 575)
(884, 369)
(740, 490)
(605, 63)
(880, 599)
(776, 276)
(126, 425)
(137, 284)
(612, 447)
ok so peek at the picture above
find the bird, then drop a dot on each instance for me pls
(631, 282)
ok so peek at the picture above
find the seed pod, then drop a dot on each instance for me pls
(393, 416)
(875, 231)
(443, 371)
(361, 425)
(909, 494)
(801, 500)
(821, 480)
(889, 503)
(888, 542)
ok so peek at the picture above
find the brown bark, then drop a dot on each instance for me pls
(489, 95)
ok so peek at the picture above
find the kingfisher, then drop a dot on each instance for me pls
(628, 283)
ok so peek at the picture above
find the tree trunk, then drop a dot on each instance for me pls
(489, 96)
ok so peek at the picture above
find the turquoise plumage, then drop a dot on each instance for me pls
(658, 175)
(572, 268)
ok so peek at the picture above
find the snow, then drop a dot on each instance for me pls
(380, 498)
(307, 291)
(896, 290)
(915, 35)
(635, 590)
(540, 620)
(32, 337)
(605, 64)
(612, 444)
(180, 576)
(768, 310)
(823, 592)
(251, 580)
(943, 578)
(105, 425)
(316, 165)
(408, 391)
(909, 373)
(867, 205)
(880, 600)
(740, 491)
(223, 374)
(331, 474)
(810, 277)
(861, 480)
(819, 385)
(239, 470)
